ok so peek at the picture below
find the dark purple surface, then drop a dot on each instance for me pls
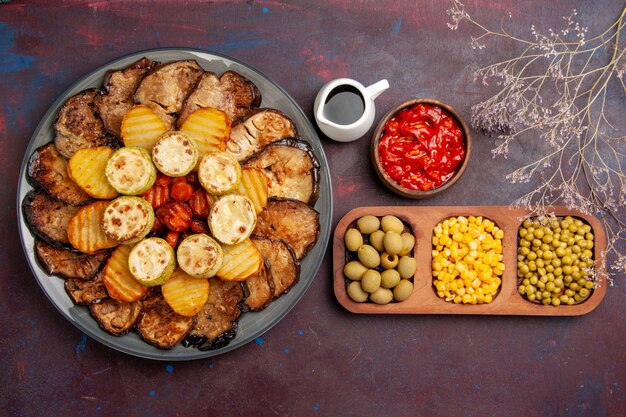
(320, 359)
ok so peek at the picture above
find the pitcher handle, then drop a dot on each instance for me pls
(376, 89)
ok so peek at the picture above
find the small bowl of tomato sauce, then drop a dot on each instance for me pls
(421, 148)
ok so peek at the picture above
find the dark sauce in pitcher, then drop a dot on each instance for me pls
(344, 105)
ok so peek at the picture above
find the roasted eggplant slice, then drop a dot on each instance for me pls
(291, 221)
(291, 167)
(78, 125)
(257, 130)
(85, 292)
(161, 326)
(119, 87)
(284, 269)
(115, 317)
(217, 316)
(232, 93)
(48, 168)
(48, 218)
(167, 86)
(259, 289)
(67, 263)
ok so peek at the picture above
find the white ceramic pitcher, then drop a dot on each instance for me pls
(352, 113)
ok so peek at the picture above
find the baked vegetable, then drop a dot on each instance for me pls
(48, 218)
(84, 231)
(48, 168)
(185, 294)
(119, 281)
(232, 219)
(67, 263)
(291, 167)
(174, 154)
(240, 261)
(254, 185)
(257, 130)
(142, 127)
(87, 168)
(259, 289)
(216, 321)
(209, 128)
(78, 125)
(161, 326)
(115, 317)
(199, 255)
(219, 173)
(284, 268)
(127, 219)
(152, 261)
(85, 292)
(292, 221)
(130, 171)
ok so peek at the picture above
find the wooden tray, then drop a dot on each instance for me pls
(424, 299)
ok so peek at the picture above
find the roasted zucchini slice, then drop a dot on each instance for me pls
(199, 255)
(219, 173)
(175, 154)
(130, 171)
(291, 167)
(232, 219)
(127, 219)
(152, 261)
(292, 221)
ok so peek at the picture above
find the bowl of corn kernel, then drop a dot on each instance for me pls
(467, 258)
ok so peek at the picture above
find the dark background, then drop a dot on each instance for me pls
(319, 360)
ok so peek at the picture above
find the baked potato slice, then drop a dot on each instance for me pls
(84, 231)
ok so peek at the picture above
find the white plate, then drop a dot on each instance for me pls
(252, 324)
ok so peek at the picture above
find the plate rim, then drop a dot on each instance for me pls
(158, 354)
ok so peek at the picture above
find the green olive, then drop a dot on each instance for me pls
(392, 223)
(353, 239)
(382, 296)
(368, 256)
(371, 281)
(354, 270)
(389, 278)
(368, 224)
(408, 243)
(376, 240)
(406, 267)
(356, 293)
(403, 290)
(392, 242)
(388, 261)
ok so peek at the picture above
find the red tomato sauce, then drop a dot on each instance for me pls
(421, 147)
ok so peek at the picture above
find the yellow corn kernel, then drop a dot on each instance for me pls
(440, 294)
(474, 299)
(457, 299)
(467, 298)
(488, 298)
